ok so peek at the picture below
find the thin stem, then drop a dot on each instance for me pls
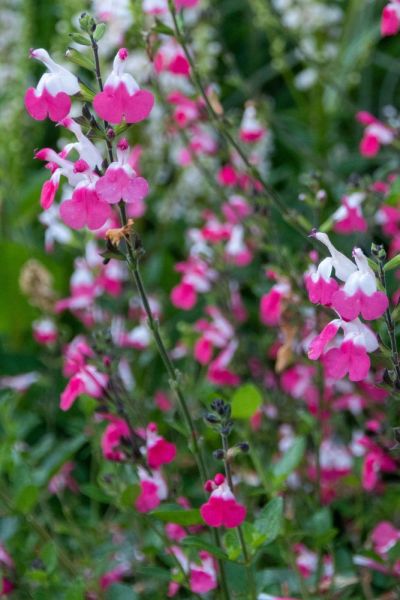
(132, 259)
(246, 556)
(95, 50)
(292, 219)
(390, 326)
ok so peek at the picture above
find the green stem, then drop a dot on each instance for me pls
(246, 556)
(270, 194)
(390, 326)
(132, 259)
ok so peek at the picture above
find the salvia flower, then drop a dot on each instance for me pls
(347, 354)
(159, 451)
(51, 97)
(122, 98)
(358, 296)
(376, 134)
(120, 181)
(222, 509)
(390, 21)
(153, 490)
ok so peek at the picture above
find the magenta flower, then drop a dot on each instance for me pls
(85, 208)
(390, 22)
(153, 489)
(122, 98)
(159, 451)
(120, 181)
(222, 508)
(51, 95)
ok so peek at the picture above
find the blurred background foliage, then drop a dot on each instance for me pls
(314, 129)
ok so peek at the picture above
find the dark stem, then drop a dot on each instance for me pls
(95, 50)
(246, 556)
(390, 327)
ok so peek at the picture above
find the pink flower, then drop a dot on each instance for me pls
(170, 57)
(348, 218)
(222, 508)
(114, 434)
(203, 575)
(197, 278)
(114, 575)
(347, 355)
(51, 95)
(159, 451)
(319, 283)
(271, 304)
(122, 98)
(84, 378)
(359, 295)
(376, 134)
(186, 110)
(390, 22)
(384, 537)
(376, 461)
(153, 489)
(251, 129)
(63, 480)
(85, 208)
(120, 181)
(45, 331)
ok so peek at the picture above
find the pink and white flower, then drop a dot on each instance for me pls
(121, 183)
(346, 354)
(251, 129)
(51, 97)
(159, 450)
(222, 509)
(153, 489)
(349, 218)
(45, 331)
(376, 134)
(390, 22)
(122, 98)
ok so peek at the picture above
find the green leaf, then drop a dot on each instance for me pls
(161, 27)
(270, 520)
(49, 556)
(86, 93)
(232, 545)
(99, 31)
(175, 514)
(393, 263)
(80, 39)
(245, 402)
(289, 462)
(79, 59)
(129, 495)
(193, 541)
(26, 499)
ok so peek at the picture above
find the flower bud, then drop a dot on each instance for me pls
(219, 454)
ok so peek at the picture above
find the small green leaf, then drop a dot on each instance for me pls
(49, 556)
(79, 59)
(393, 263)
(99, 31)
(193, 541)
(80, 39)
(289, 462)
(232, 545)
(129, 495)
(26, 498)
(161, 27)
(86, 92)
(174, 514)
(270, 520)
(245, 402)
